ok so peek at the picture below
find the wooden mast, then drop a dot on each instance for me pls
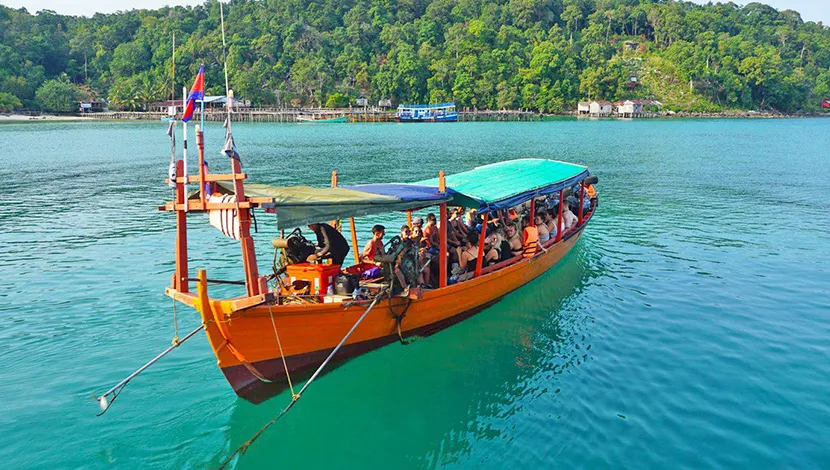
(442, 255)
(179, 282)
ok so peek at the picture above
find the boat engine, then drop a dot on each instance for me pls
(402, 256)
(295, 248)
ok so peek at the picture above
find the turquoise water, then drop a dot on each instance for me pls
(688, 328)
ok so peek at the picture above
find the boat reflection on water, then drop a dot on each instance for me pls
(430, 402)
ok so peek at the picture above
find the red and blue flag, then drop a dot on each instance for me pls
(197, 92)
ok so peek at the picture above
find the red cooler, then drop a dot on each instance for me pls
(319, 276)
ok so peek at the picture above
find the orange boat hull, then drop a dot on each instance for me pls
(248, 352)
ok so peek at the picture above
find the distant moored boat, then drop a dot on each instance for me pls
(444, 112)
(303, 118)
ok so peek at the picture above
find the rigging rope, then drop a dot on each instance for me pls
(282, 355)
(295, 398)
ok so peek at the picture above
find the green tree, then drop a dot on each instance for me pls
(58, 95)
(9, 102)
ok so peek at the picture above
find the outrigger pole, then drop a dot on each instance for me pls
(114, 391)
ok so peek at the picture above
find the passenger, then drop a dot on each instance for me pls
(539, 221)
(493, 247)
(468, 255)
(460, 225)
(569, 220)
(470, 219)
(418, 222)
(374, 246)
(514, 240)
(330, 244)
(550, 223)
(416, 235)
(452, 237)
(530, 238)
(406, 232)
(431, 234)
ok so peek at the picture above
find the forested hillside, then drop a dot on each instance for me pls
(539, 54)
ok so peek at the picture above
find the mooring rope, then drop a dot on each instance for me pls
(282, 355)
(295, 398)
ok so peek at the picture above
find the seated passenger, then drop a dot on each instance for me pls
(550, 223)
(431, 234)
(530, 238)
(468, 255)
(569, 220)
(539, 221)
(374, 246)
(514, 240)
(416, 235)
(493, 247)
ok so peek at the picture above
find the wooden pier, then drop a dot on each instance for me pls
(258, 114)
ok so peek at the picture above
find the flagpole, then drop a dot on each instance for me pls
(184, 151)
(171, 171)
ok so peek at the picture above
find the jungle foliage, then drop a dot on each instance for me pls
(543, 55)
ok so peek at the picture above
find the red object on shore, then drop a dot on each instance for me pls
(825, 103)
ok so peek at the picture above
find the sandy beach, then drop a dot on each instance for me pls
(45, 117)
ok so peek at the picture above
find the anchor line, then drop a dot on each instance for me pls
(295, 398)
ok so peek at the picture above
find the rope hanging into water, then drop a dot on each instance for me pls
(282, 355)
(295, 398)
(175, 324)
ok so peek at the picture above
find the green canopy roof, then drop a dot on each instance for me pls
(506, 184)
(489, 187)
(301, 205)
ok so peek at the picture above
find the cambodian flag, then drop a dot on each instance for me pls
(197, 92)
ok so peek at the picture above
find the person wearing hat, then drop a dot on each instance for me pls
(418, 222)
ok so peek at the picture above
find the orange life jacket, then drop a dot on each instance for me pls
(530, 242)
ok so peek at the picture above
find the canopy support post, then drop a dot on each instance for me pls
(532, 211)
(200, 143)
(442, 241)
(581, 200)
(482, 237)
(559, 228)
(179, 282)
(354, 241)
(409, 218)
(333, 222)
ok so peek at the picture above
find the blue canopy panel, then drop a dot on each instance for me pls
(404, 192)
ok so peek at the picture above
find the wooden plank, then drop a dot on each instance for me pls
(209, 178)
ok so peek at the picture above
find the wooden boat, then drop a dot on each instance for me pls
(444, 112)
(306, 119)
(261, 339)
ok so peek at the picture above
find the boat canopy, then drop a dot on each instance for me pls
(486, 188)
(507, 184)
(300, 205)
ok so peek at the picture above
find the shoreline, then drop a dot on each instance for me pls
(472, 116)
(40, 118)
